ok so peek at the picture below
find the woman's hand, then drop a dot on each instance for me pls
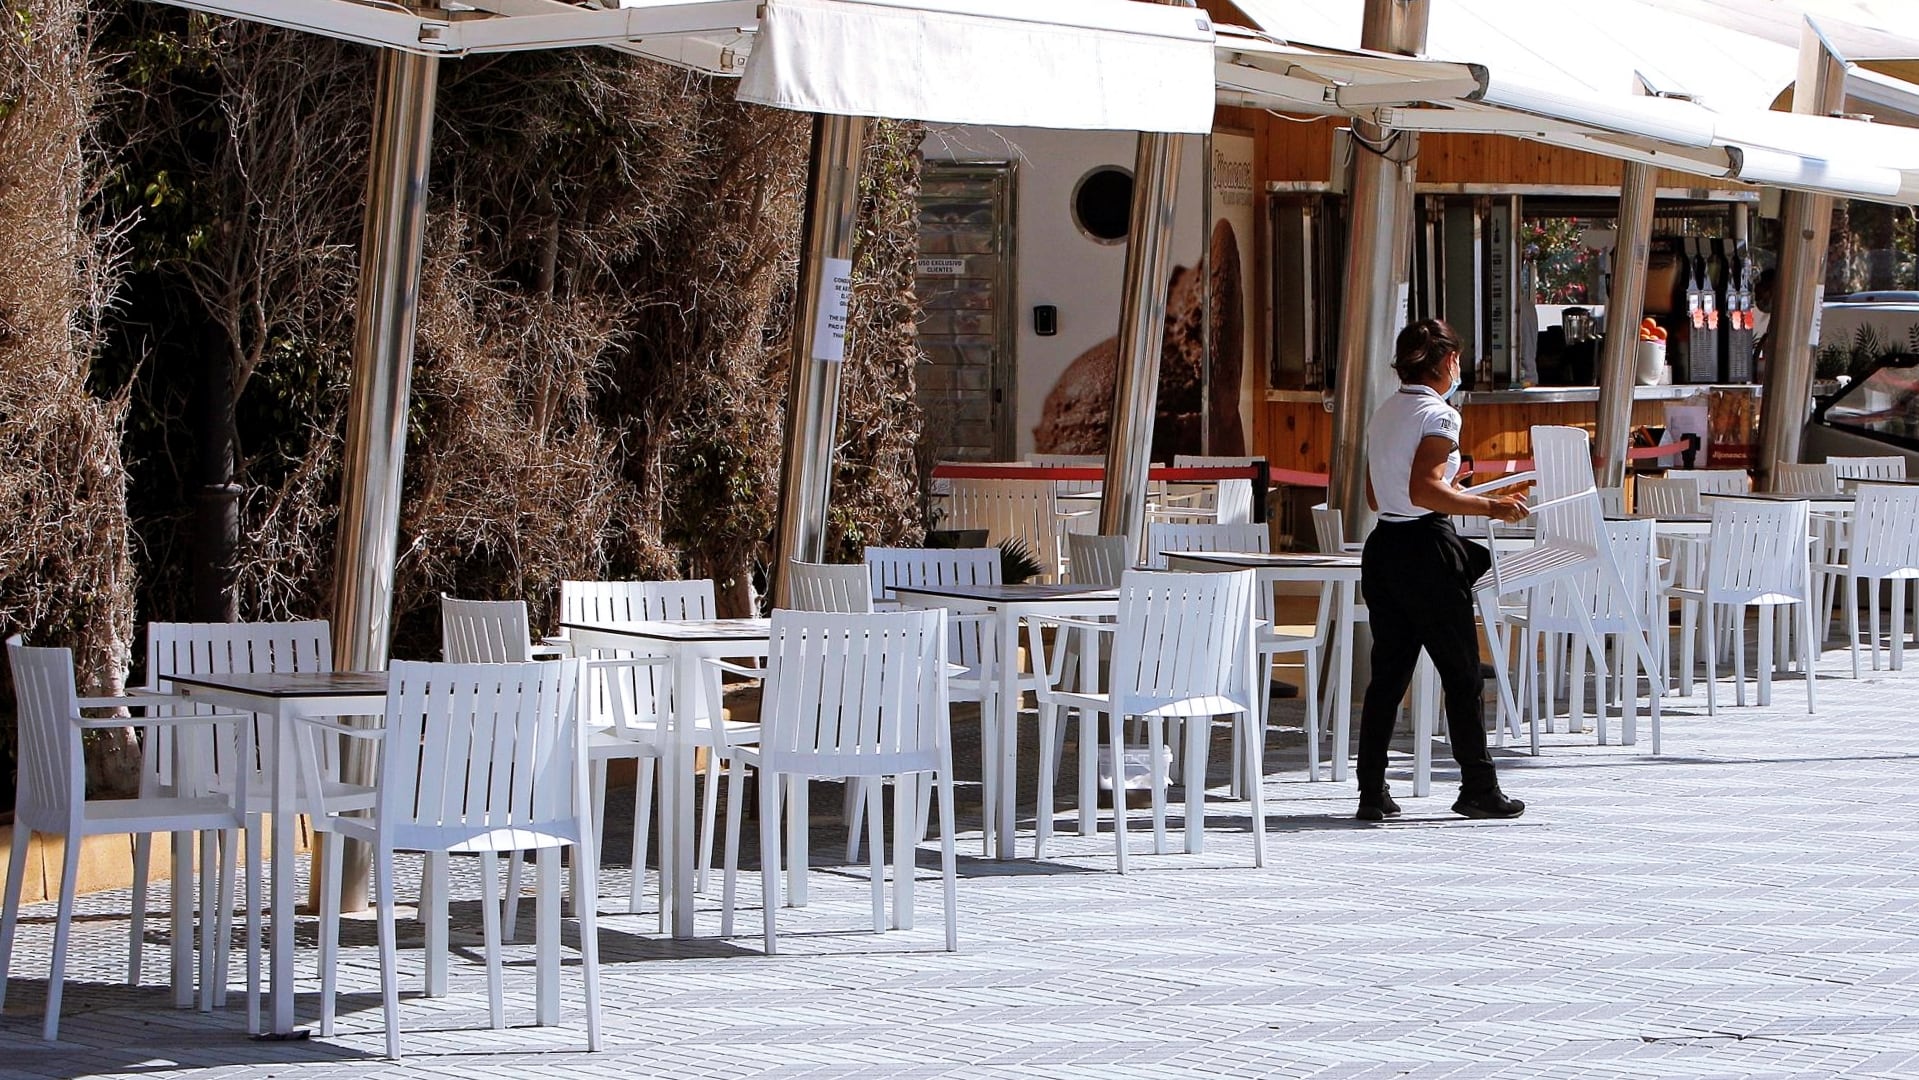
(1508, 508)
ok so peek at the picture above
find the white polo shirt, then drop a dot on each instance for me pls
(1392, 438)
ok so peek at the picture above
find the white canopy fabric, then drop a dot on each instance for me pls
(1088, 64)
(1576, 90)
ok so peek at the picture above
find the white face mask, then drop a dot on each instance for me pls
(1452, 388)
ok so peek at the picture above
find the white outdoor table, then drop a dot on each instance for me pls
(284, 699)
(1342, 573)
(1008, 604)
(687, 645)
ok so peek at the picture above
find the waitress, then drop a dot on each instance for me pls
(1417, 574)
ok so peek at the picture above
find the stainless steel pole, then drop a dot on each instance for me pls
(1805, 221)
(1142, 321)
(369, 530)
(820, 341)
(1624, 307)
(1380, 224)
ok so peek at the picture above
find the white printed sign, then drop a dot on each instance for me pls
(829, 329)
(939, 267)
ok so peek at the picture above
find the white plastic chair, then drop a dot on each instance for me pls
(1329, 530)
(1222, 502)
(1569, 544)
(1715, 481)
(1890, 467)
(51, 800)
(500, 767)
(1182, 650)
(861, 695)
(179, 648)
(1025, 511)
(1667, 496)
(1756, 557)
(1093, 559)
(623, 725)
(1616, 609)
(645, 688)
(1162, 538)
(1795, 479)
(1884, 547)
(829, 587)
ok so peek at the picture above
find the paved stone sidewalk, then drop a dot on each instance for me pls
(1744, 906)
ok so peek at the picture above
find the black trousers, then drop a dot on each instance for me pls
(1417, 578)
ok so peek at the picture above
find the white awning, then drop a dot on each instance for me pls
(1090, 64)
(1538, 86)
(1253, 71)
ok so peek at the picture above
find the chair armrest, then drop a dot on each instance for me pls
(627, 662)
(545, 649)
(1078, 624)
(336, 727)
(99, 723)
(735, 669)
(1502, 482)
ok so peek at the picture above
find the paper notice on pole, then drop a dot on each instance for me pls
(1818, 314)
(1404, 314)
(829, 326)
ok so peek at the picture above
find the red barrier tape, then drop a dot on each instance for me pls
(1008, 471)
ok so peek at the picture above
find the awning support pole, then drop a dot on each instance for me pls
(1624, 308)
(1380, 224)
(375, 454)
(1142, 321)
(819, 343)
(1805, 221)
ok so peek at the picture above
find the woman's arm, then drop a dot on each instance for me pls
(1428, 489)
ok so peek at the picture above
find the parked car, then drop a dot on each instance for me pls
(1874, 416)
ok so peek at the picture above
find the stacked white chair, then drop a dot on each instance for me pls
(1182, 651)
(852, 695)
(1756, 557)
(500, 768)
(51, 800)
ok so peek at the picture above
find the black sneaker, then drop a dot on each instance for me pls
(1488, 804)
(1377, 807)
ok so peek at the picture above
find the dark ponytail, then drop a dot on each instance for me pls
(1421, 351)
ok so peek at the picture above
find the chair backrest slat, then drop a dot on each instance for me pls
(844, 587)
(1182, 635)
(1715, 481)
(203, 648)
(1093, 559)
(1666, 496)
(1757, 548)
(484, 631)
(1885, 530)
(1888, 467)
(498, 747)
(51, 779)
(854, 693)
(1795, 479)
(1026, 511)
(1163, 538)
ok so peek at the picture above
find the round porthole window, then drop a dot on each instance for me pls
(1103, 204)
